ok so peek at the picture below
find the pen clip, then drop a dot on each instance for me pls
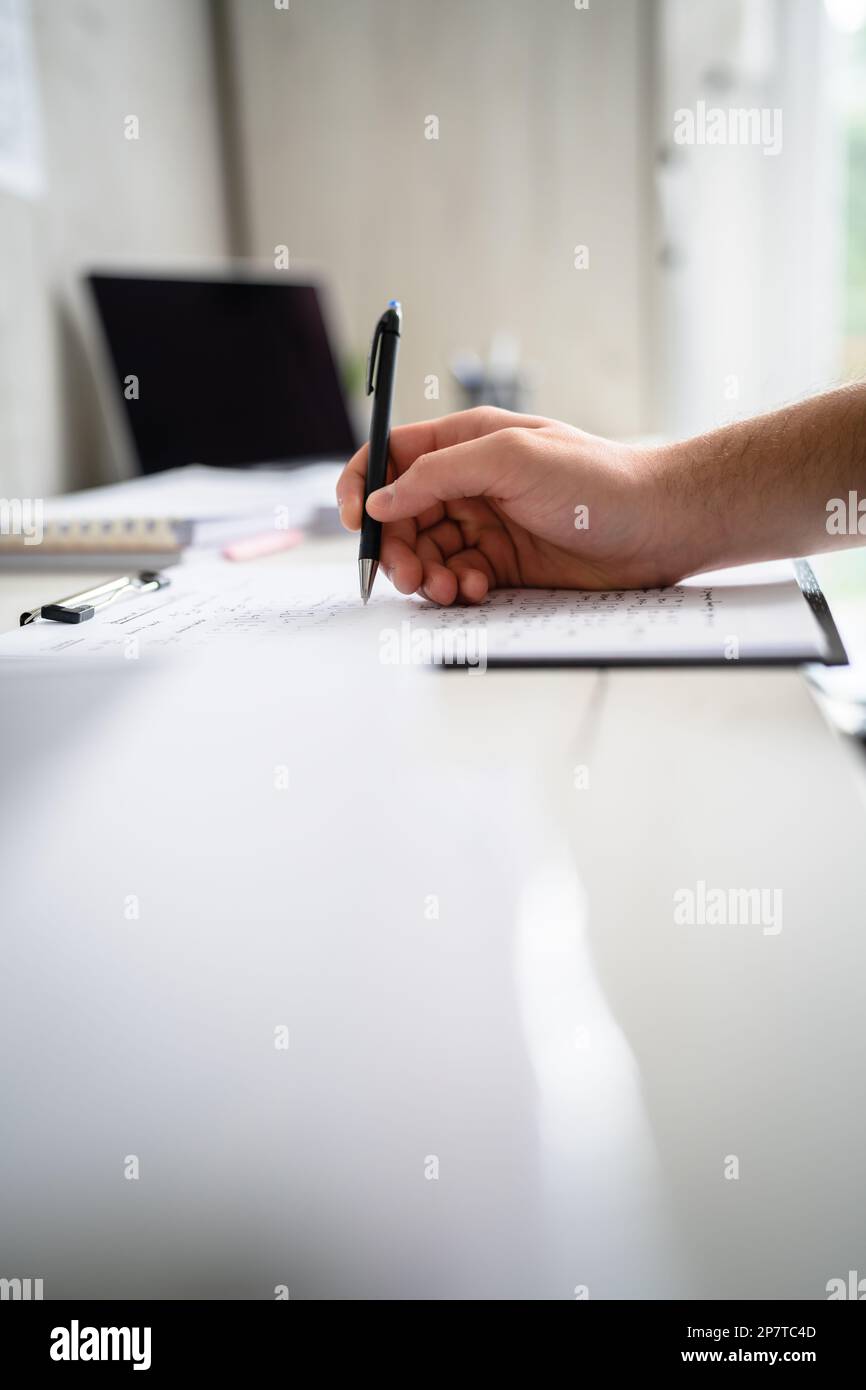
(389, 323)
(374, 354)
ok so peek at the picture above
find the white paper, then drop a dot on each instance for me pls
(212, 601)
(200, 493)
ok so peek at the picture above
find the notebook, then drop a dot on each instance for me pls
(767, 615)
(148, 522)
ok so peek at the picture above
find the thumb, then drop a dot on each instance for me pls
(477, 468)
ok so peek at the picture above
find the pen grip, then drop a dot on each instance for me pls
(380, 431)
(371, 539)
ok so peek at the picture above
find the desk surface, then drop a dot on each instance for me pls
(510, 1072)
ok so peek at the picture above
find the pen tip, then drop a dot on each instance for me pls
(367, 573)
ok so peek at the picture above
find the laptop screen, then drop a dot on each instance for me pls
(223, 372)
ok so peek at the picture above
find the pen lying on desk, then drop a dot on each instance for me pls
(79, 607)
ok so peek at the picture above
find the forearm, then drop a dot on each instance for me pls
(764, 488)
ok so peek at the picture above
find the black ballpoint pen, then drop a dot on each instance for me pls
(381, 372)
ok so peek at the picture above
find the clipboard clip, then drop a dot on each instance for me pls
(79, 608)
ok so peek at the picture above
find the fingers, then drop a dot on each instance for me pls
(470, 455)
(350, 490)
(474, 574)
(466, 574)
(409, 442)
(439, 583)
(492, 465)
(401, 563)
(446, 535)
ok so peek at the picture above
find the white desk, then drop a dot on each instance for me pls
(581, 1067)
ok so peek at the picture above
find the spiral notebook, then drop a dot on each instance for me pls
(147, 543)
(148, 522)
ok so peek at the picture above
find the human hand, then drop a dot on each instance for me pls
(488, 499)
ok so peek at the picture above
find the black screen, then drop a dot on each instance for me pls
(230, 372)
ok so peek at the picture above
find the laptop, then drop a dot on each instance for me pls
(227, 371)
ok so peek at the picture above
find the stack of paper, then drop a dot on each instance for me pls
(148, 522)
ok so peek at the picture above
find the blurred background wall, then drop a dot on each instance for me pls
(505, 167)
(103, 197)
(539, 149)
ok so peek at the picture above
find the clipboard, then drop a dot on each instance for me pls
(693, 624)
